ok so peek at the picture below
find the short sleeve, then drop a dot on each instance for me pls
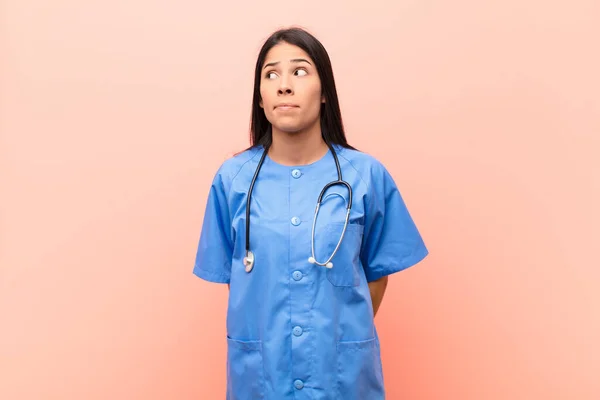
(215, 248)
(391, 240)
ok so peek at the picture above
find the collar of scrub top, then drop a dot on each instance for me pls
(249, 259)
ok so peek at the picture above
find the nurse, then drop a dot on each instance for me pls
(297, 326)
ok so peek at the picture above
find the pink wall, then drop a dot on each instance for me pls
(115, 115)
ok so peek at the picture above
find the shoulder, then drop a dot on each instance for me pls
(367, 166)
(230, 169)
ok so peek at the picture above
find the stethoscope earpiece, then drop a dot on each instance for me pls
(313, 261)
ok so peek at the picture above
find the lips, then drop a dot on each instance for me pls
(286, 106)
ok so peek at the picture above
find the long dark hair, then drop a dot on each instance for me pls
(332, 128)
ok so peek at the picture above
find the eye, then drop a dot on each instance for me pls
(270, 75)
(301, 72)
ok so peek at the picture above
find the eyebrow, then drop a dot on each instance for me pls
(294, 60)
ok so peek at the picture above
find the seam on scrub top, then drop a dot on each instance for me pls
(357, 171)
(366, 212)
(231, 215)
(368, 202)
(291, 339)
(243, 165)
(368, 199)
(312, 347)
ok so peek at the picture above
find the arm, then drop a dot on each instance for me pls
(215, 247)
(377, 289)
(391, 241)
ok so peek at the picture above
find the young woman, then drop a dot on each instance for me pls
(303, 292)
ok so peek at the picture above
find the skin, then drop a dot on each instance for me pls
(289, 76)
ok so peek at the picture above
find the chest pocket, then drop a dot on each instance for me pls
(346, 262)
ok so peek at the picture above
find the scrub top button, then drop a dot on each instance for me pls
(297, 331)
(296, 221)
(297, 275)
(296, 173)
(298, 384)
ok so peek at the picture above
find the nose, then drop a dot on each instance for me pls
(285, 87)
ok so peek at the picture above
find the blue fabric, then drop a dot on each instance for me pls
(298, 330)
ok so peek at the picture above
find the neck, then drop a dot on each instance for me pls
(299, 148)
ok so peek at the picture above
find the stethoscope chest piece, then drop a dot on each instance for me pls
(249, 261)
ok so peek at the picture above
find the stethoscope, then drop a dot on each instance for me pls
(249, 259)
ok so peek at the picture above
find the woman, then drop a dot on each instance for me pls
(300, 322)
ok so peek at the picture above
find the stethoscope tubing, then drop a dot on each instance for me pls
(249, 258)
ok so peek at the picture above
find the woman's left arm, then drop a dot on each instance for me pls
(377, 289)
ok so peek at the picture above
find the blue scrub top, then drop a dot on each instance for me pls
(296, 330)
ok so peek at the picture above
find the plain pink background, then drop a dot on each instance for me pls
(116, 114)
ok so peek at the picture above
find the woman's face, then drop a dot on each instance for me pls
(290, 89)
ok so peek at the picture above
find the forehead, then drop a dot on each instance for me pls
(284, 52)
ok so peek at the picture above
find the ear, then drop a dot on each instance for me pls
(260, 103)
(322, 99)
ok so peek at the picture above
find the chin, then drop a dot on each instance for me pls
(289, 128)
